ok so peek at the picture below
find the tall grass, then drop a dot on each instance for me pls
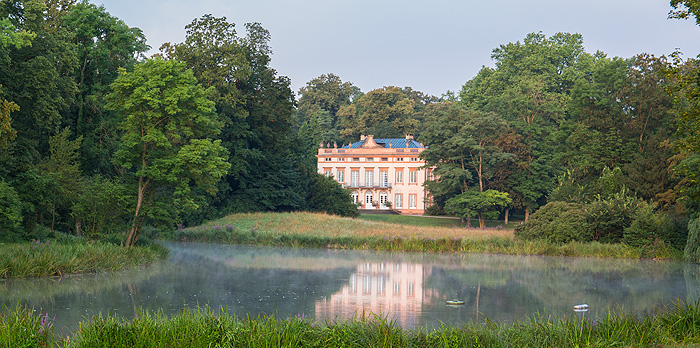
(676, 326)
(20, 327)
(327, 231)
(55, 258)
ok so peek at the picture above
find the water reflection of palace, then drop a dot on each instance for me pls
(393, 290)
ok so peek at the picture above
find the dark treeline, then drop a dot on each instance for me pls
(97, 139)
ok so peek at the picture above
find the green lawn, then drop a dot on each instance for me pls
(428, 221)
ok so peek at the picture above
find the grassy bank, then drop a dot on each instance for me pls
(432, 221)
(677, 326)
(327, 231)
(56, 258)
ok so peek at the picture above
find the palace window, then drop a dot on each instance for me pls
(383, 179)
(341, 176)
(412, 201)
(355, 176)
(399, 201)
(412, 177)
(399, 176)
(369, 178)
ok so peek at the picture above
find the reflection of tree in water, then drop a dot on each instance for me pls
(691, 273)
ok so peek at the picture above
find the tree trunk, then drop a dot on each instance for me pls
(527, 215)
(135, 229)
(78, 232)
(507, 211)
(482, 223)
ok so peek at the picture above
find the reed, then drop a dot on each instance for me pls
(56, 258)
(314, 230)
(674, 326)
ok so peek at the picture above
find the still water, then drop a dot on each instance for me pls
(409, 288)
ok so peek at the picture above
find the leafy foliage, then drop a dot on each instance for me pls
(166, 118)
(558, 222)
(10, 213)
(474, 203)
(327, 195)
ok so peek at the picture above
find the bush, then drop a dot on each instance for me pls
(557, 222)
(609, 217)
(648, 227)
(327, 195)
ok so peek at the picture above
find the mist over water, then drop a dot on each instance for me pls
(410, 288)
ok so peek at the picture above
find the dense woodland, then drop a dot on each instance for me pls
(97, 139)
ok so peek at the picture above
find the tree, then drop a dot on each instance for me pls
(530, 89)
(255, 106)
(463, 144)
(166, 119)
(484, 205)
(684, 9)
(103, 44)
(386, 112)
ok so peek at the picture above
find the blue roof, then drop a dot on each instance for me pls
(399, 143)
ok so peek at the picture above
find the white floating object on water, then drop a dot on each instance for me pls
(454, 302)
(581, 308)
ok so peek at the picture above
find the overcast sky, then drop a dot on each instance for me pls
(430, 46)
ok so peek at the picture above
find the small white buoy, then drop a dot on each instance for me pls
(581, 308)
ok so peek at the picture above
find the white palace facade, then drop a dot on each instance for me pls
(380, 173)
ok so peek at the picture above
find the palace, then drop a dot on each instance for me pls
(380, 173)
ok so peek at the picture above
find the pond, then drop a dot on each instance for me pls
(410, 288)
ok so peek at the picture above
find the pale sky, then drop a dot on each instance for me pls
(430, 46)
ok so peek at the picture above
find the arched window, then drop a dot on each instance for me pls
(355, 197)
(368, 198)
(382, 198)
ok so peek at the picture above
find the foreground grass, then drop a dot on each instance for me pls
(677, 326)
(315, 230)
(56, 258)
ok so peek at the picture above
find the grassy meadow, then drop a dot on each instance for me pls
(318, 230)
(676, 326)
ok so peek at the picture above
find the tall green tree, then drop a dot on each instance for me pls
(530, 88)
(103, 44)
(166, 121)
(255, 106)
(385, 112)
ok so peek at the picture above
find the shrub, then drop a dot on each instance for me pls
(648, 227)
(557, 222)
(327, 195)
(609, 217)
